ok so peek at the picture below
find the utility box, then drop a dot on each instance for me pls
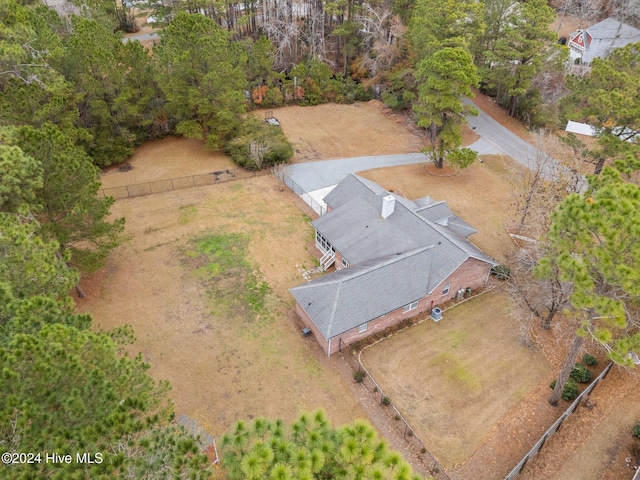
(460, 294)
(436, 314)
(306, 331)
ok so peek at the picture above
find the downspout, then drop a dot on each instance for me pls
(329, 349)
(488, 275)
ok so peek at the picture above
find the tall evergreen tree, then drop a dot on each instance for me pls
(524, 40)
(201, 78)
(607, 99)
(593, 244)
(96, 63)
(445, 78)
(32, 90)
(29, 264)
(446, 23)
(67, 206)
(309, 449)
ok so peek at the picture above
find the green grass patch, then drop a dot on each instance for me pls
(187, 214)
(456, 373)
(234, 285)
(457, 337)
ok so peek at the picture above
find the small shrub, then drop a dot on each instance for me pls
(570, 390)
(397, 417)
(375, 389)
(386, 401)
(502, 272)
(636, 430)
(358, 376)
(581, 374)
(589, 360)
(423, 450)
(258, 145)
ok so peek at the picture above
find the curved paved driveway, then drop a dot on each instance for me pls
(494, 138)
(323, 173)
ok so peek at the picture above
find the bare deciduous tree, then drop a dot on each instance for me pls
(554, 174)
(382, 31)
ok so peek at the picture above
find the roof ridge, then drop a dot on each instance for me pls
(432, 225)
(365, 267)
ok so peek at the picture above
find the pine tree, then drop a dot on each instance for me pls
(445, 78)
(593, 237)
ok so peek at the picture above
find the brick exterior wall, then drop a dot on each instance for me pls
(472, 273)
(338, 263)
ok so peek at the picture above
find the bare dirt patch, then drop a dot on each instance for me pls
(567, 24)
(454, 380)
(340, 131)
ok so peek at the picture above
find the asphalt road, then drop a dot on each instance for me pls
(497, 139)
(140, 37)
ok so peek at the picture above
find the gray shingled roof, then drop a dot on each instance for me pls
(352, 296)
(394, 261)
(355, 228)
(608, 35)
(440, 213)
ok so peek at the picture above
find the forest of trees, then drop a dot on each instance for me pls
(74, 98)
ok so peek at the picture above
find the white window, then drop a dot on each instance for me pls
(363, 328)
(322, 243)
(411, 306)
(446, 289)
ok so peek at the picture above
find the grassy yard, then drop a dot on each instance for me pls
(203, 279)
(454, 380)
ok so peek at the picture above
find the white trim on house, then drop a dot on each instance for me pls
(411, 306)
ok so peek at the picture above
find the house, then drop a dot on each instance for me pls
(394, 259)
(599, 40)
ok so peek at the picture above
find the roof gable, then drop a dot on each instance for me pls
(600, 39)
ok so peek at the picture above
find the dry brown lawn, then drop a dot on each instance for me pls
(221, 369)
(339, 131)
(454, 380)
(170, 157)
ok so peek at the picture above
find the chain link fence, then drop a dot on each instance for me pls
(166, 185)
(317, 207)
(429, 461)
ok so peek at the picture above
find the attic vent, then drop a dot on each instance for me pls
(388, 205)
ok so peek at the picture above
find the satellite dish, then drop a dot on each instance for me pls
(634, 357)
